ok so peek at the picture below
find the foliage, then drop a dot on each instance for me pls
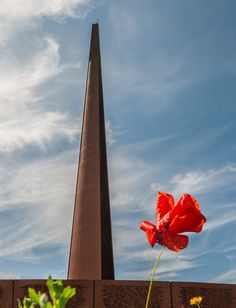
(59, 296)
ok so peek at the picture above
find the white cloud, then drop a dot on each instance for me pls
(24, 15)
(36, 197)
(123, 198)
(129, 179)
(9, 276)
(225, 219)
(141, 78)
(20, 77)
(166, 270)
(34, 128)
(202, 182)
(44, 193)
(156, 87)
(127, 172)
(110, 139)
(199, 182)
(227, 277)
(26, 115)
(186, 147)
(25, 9)
(24, 112)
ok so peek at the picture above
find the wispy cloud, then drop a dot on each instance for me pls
(19, 77)
(9, 276)
(145, 144)
(110, 139)
(168, 269)
(34, 128)
(225, 220)
(191, 144)
(30, 9)
(33, 116)
(198, 182)
(37, 199)
(128, 177)
(27, 14)
(227, 277)
(163, 63)
(24, 117)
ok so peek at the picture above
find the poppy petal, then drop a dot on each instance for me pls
(186, 216)
(151, 232)
(184, 205)
(165, 203)
(191, 222)
(173, 241)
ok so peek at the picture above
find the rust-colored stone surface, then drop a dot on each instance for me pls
(21, 288)
(91, 254)
(82, 299)
(214, 295)
(126, 294)
(131, 294)
(6, 293)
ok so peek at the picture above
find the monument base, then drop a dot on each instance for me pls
(126, 294)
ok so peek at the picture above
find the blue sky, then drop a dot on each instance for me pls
(169, 91)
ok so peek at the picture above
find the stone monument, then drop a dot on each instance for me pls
(91, 254)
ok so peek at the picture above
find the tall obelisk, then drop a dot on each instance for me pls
(91, 255)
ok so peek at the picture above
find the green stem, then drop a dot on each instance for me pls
(153, 274)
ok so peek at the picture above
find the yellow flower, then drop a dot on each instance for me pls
(196, 300)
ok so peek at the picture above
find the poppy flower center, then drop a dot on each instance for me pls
(167, 225)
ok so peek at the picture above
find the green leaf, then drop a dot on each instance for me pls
(27, 303)
(19, 303)
(34, 296)
(50, 288)
(66, 295)
(57, 288)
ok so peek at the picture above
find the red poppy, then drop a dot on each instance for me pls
(172, 219)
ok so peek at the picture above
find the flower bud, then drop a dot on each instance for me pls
(43, 299)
